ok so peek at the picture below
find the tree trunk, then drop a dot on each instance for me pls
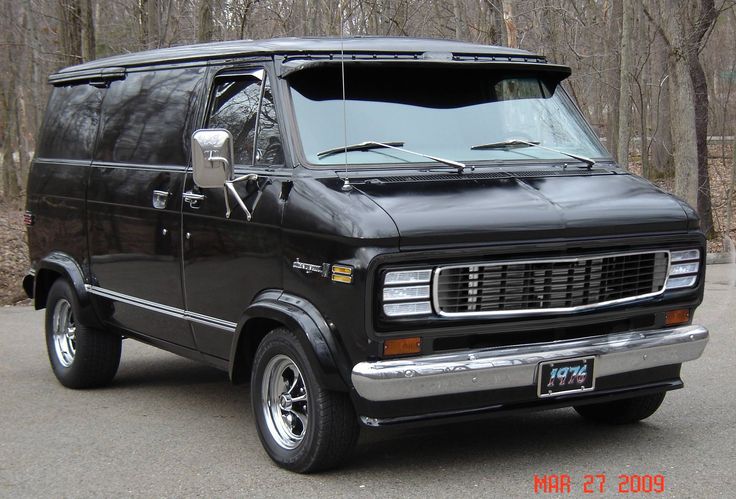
(684, 139)
(11, 189)
(661, 149)
(244, 17)
(143, 22)
(681, 34)
(642, 84)
(624, 95)
(700, 98)
(729, 203)
(644, 137)
(70, 32)
(33, 70)
(153, 24)
(20, 172)
(705, 20)
(89, 43)
(206, 26)
(512, 34)
(613, 42)
(496, 28)
(460, 23)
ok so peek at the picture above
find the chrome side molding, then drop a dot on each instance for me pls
(163, 309)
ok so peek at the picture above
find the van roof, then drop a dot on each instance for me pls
(294, 46)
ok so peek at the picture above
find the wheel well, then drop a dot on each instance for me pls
(253, 333)
(45, 278)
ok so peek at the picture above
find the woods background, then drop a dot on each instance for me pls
(656, 78)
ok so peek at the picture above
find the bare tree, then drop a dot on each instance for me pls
(153, 24)
(70, 31)
(89, 42)
(705, 17)
(614, 16)
(625, 71)
(683, 26)
(661, 144)
(206, 26)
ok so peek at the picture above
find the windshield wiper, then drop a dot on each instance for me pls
(399, 146)
(362, 146)
(505, 144)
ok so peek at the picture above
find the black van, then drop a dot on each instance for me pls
(372, 231)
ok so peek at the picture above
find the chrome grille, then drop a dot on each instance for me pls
(547, 286)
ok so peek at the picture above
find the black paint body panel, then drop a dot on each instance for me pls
(497, 210)
(227, 262)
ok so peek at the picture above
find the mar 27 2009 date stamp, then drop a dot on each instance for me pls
(599, 483)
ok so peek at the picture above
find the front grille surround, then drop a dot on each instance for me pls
(533, 286)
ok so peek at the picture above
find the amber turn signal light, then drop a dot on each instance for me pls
(402, 346)
(677, 317)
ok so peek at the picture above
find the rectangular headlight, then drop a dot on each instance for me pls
(406, 293)
(684, 267)
(407, 277)
(407, 308)
(684, 256)
(681, 282)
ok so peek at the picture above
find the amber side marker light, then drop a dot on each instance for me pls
(402, 346)
(342, 273)
(677, 317)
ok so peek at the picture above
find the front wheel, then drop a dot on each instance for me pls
(625, 411)
(303, 427)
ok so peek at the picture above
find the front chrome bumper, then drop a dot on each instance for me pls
(511, 367)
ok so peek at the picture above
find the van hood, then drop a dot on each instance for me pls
(486, 211)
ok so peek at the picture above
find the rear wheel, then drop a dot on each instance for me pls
(623, 411)
(81, 357)
(303, 427)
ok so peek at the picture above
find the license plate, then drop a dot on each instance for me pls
(566, 376)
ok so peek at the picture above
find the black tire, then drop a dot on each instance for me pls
(625, 411)
(330, 428)
(80, 356)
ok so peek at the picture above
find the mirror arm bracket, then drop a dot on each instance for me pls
(229, 186)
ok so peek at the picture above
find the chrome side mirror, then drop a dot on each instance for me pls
(212, 157)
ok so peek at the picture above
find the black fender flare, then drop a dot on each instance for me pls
(66, 266)
(312, 330)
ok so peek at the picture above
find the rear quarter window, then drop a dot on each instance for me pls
(146, 118)
(70, 126)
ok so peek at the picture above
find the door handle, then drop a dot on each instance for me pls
(160, 198)
(193, 199)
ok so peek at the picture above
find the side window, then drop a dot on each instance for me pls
(146, 118)
(235, 107)
(72, 117)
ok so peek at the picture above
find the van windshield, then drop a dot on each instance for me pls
(435, 110)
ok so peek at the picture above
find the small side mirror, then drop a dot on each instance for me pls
(212, 157)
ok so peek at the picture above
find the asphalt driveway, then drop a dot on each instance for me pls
(171, 427)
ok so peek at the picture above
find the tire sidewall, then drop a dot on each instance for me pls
(61, 289)
(283, 342)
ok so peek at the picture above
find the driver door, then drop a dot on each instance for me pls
(227, 261)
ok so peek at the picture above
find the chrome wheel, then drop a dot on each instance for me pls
(284, 401)
(64, 332)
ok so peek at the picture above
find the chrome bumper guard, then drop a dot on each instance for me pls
(511, 367)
